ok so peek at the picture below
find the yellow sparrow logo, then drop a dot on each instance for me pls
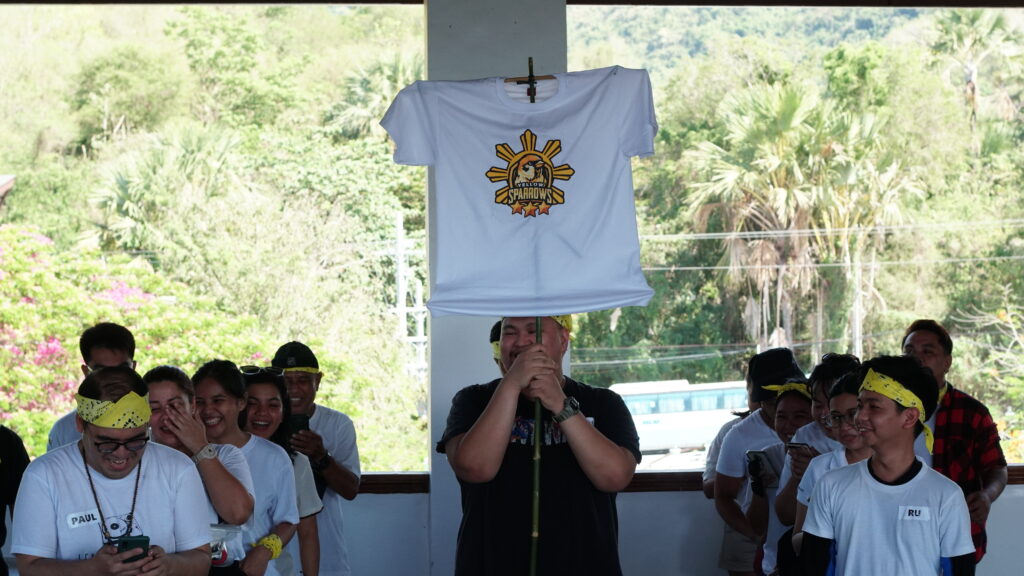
(529, 176)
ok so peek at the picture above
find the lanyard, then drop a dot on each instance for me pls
(103, 521)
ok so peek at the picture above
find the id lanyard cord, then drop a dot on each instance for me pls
(103, 521)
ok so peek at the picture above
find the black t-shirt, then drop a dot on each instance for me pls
(13, 461)
(578, 523)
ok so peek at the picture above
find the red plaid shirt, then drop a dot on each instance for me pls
(966, 446)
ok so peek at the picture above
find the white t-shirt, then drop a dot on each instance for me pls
(777, 455)
(812, 435)
(535, 210)
(339, 436)
(274, 481)
(64, 432)
(711, 460)
(234, 461)
(56, 515)
(882, 529)
(309, 503)
(817, 468)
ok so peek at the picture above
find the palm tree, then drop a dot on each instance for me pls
(757, 182)
(368, 93)
(969, 37)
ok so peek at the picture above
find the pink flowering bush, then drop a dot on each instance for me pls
(48, 298)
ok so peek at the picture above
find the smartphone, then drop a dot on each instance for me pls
(126, 543)
(796, 446)
(298, 422)
(766, 463)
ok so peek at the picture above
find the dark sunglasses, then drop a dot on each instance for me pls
(111, 446)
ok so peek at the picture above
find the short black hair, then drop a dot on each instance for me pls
(928, 325)
(848, 383)
(173, 374)
(106, 335)
(226, 373)
(112, 383)
(911, 375)
(496, 332)
(831, 367)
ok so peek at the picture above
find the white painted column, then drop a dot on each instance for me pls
(469, 39)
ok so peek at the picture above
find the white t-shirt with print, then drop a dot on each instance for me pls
(883, 529)
(56, 515)
(544, 187)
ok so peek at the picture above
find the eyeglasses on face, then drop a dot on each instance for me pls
(111, 446)
(250, 370)
(836, 419)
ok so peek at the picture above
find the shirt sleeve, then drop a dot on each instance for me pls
(714, 449)
(191, 530)
(988, 452)
(732, 461)
(640, 123)
(286, 507)
(308, 500)
(955, 526)
(234, 462)
(819, 512)
(467, 405)
(615, 422)
(34, 530)
(806, 486)
(408, 123)
(344, 448)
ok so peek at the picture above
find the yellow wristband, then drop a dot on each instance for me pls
(271, 542)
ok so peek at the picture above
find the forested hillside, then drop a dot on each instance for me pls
(215, 178)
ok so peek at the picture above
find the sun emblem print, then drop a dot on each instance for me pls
(529, 176)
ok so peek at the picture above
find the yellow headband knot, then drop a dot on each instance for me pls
(565, 321)
(886, 386)
(496, 349)
(131, 411)
(781, 389)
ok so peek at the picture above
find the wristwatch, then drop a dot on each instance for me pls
(322, 464)
(207, 452)
(569, 409)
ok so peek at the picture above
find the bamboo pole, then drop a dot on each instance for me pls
(537, 430)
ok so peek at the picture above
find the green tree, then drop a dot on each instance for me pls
(367, 94)
(123, 92)
(240, 82)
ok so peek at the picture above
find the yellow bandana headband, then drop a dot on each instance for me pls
(886, 386)
(131, 411)
(565, 321)
(496, 350)
(780, 389)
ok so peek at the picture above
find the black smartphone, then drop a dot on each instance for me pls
(126, 543)
(298, 422)
(766, 463)
(796, 446)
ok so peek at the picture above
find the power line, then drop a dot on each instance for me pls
(832, 264)
(810, 232)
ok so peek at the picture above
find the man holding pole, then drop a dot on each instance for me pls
(589, 452)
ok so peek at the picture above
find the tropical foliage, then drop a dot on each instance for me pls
(215, 178)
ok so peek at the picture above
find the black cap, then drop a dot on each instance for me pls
(772, 367)
(294, 355)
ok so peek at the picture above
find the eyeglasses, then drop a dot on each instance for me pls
(836, 419)
(250, 370)
(111, 446)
